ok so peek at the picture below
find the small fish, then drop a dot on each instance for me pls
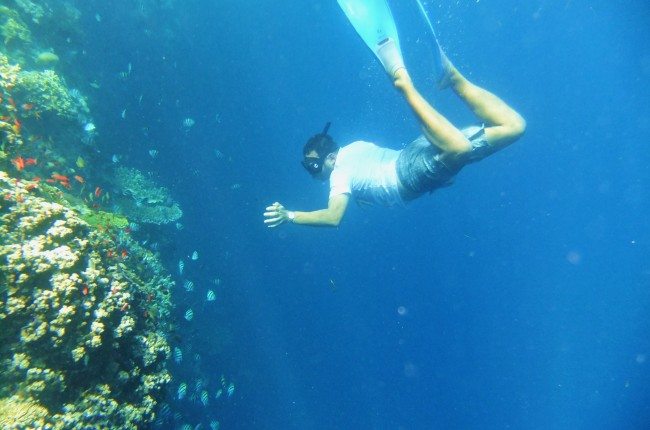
(182, 390)
(81, 163)
(31, 161)
(188, 285)
(19, 163)
(204, 398)
(181, 266)
(89, 127)
(84, 290)
(153, 153)
(123, 114)
(189, 314)
(235, 186)
(216, 281)
(178, 355)
(211, 297)
(179, 226)
(220, 155)
(95, 85)
(98, 191)
(195, 255)
(231, 389)
(188, 123)
(27, 106)
(79, 179)
(98, 17)
(214, 425)
(218, 393)
(116, 158)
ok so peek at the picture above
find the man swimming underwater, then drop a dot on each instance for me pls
(372, 174)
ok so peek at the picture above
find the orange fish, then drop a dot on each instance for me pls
(19, 162)
(30, 161)
(66, 184)
(84, 290)
(36, 179)
(79, 179)
(12, 102)
(27, 106)
(60, 178)
(31, 186)
(50, 181)
(98, 192)
(109, 253)
(125, 253)
(17, 126)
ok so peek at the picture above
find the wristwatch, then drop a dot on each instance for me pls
(291, 215)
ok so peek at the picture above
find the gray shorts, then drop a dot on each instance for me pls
(422, 167)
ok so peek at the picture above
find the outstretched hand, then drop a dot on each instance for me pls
(275, 215)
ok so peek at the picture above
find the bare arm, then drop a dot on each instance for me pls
(437, 129)
(276, 214)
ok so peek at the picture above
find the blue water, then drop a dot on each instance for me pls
(517, 298)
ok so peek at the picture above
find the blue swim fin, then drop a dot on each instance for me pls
(442, 65)
(373, 21)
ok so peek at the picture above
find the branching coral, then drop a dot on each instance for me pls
(142, 200)
(77, 319)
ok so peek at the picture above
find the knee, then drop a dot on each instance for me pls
(517, 127)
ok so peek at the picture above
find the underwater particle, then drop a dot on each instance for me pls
(231, 389)
(401, 310)
(189, 314)
(188, 285)
(182, 391)
(211, 297)
(195, 255)
(47, 58)
(178, 355)
(153, 153)
(204, 397)
(181, 266)
(574, 257)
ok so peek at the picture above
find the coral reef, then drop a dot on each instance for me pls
(142, 200)
(84, 315)
(49, 92)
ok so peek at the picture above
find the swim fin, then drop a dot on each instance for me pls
(442, 65)
(373, 21)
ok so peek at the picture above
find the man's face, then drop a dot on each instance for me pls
(328, 165)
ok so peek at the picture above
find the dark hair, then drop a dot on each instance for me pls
(322, 143)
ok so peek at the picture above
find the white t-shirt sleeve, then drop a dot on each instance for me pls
(340, 183)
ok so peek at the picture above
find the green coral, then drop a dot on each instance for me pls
(49, 93)
(103, 219)
(13, 28)
(142, 200)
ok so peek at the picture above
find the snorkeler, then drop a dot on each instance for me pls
(372, 174)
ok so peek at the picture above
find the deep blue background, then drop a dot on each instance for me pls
(526, 285)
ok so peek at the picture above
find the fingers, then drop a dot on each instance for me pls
(274, 215)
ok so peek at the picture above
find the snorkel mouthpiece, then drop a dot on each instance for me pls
(323, 145)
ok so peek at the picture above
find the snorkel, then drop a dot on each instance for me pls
(314, 165)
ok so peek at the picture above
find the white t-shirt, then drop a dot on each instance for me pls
(368, 173)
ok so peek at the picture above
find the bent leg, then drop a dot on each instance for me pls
(504, 124)
(437, 129)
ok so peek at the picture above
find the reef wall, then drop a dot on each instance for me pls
(83, 315)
